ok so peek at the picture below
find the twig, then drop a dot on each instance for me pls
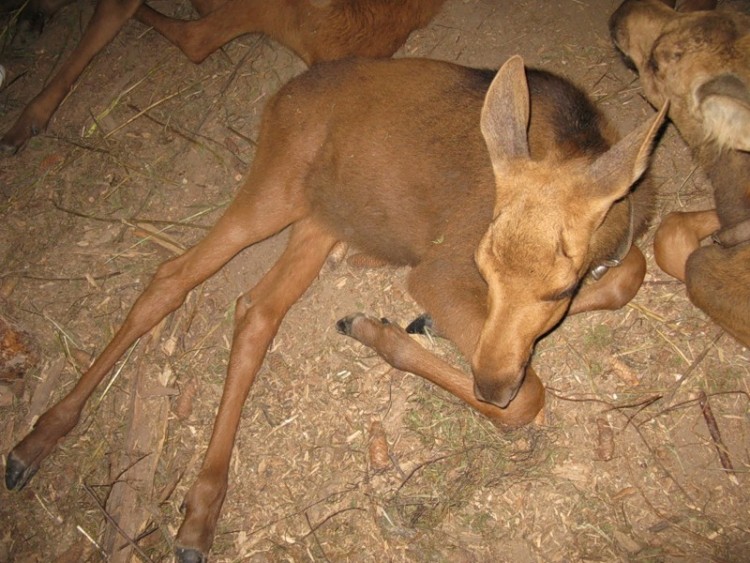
(77, 143)
(640, 406)
(112, 521)
(157, 236)
(430, 462)
(345, 491)
(225, 87)
(242, 136)
(52, 279)
(133, 220)
(190, 138)
(698, 360)
(315, 536)
(687, 403)
(151, 106)
(92, 541)
(713, 429)
(313, 529)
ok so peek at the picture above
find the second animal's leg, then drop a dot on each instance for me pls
(678, 235)
(108, 19)
(201, 37)
(257, 317)
(718, 282)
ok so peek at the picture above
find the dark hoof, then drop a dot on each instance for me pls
(344, 326)
(17, 473)
(420, 325)
(189, 555)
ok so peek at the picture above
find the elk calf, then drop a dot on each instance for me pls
(316, 30)
(699, 62)
(392, 157)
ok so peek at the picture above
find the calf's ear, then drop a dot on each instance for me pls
(613, 174)
(505, 114)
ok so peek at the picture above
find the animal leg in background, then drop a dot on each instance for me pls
(109, 17)
(315, 31)
(200, 37)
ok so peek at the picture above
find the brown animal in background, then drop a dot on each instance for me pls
(420, 163)
(316, 30)
(700, 63)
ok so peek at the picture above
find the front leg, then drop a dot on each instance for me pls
(615, 288)
(397, 348)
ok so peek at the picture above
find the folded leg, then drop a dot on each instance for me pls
(678, 235)
(400, 350)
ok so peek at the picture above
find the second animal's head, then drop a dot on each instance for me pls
(698, 60)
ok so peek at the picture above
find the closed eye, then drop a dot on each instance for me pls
(566, 293)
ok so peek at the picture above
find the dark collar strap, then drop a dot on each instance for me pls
(619, 255)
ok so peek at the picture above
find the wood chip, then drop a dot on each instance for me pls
(605, 440)
(624, 371)
(183, 406)
(18, 351)
(378, 448)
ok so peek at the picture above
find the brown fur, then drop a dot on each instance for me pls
(700, 63)
(316, 30)
(422, 163)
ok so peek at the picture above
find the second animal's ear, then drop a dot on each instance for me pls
(724, 102)
(505, 114)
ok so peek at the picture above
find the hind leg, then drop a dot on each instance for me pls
(718, 282)
(257, 212)
(257, 318)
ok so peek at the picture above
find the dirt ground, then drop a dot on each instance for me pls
(623, 469)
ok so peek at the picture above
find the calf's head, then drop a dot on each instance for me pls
(698, 61)
(535, 252)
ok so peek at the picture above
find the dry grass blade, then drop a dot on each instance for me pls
(158, 237)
